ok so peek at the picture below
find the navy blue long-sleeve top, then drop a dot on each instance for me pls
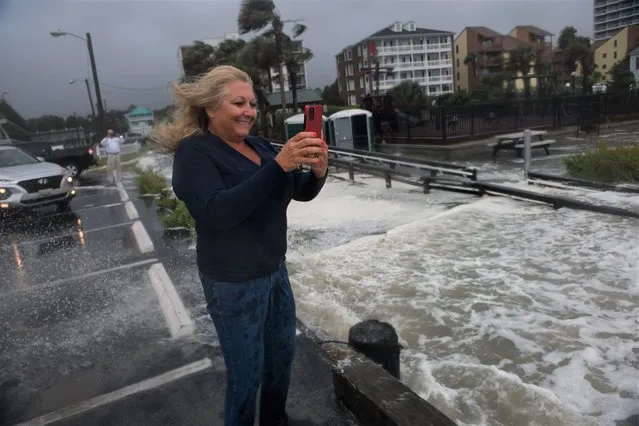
(239, 207)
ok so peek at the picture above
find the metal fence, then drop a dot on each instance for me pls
(453, 123)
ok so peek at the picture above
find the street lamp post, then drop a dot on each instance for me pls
(94, 71)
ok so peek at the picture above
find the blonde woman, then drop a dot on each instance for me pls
(238, 188)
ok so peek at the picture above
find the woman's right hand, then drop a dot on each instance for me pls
(300, 149)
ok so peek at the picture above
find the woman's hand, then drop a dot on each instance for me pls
(303, 148)
(321, 166)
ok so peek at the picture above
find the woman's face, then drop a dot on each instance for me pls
(234, 117)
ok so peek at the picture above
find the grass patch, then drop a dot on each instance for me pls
(148, 181)
(178, 218)
(606, 164)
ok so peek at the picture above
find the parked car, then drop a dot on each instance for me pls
(30, 182)
(69, 148)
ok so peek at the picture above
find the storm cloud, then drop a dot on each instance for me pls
(136, 42)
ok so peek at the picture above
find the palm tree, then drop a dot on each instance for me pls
(471, 60)
(576, 50)
(255, 15)
(197, 59)
(294, 57)
(519, 63)
(408, 92)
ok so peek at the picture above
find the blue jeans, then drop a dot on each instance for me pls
(255, 323)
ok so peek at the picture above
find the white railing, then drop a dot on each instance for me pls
(434, 79)
(404, 65)
(388, 49)
(419, 64)
(405, 48)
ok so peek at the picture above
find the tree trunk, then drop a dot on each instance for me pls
(280, 65)
(270, 79)
(292, 77)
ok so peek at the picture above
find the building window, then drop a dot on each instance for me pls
(636, 62)
(359, 51)
(458, 77)
(349, 70)
(604, 55)
(349, 55)
(615, 55)
(615, 43)
(457, 63)
(604, 66)
(351, 100)
(351, 85)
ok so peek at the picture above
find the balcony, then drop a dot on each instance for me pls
(439, 63)
(438, 46)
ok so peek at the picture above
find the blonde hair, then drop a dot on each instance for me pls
(188, 117)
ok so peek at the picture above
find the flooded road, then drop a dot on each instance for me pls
(86, 338)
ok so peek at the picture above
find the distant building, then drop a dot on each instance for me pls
(610, 51)
(298, 45)
(406, 53)
(13, 127)
(611, 15)
(140, 121)
(490, 51)
(633, 57)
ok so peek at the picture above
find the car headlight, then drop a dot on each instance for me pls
(4, 193)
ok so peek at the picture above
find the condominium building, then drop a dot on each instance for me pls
(300, 77)
(404, 52)
(610, 51)
(481, 52)
(612, 15)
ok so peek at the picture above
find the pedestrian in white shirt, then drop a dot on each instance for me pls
(111, 143)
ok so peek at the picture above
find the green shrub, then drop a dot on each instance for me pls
(149, 181)
(178, 218)
(606, 164)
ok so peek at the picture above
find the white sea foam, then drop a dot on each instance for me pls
(513, 313)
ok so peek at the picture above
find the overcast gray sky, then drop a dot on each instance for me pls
(136, 41)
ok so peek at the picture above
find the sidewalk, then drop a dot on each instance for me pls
(93, 331)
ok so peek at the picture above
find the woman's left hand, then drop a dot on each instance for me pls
(320, 167)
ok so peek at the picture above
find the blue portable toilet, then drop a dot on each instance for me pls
(353, 129)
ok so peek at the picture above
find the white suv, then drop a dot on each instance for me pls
(29, 182)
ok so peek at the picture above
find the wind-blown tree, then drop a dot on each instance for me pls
(576, 49)
(519, 63)
(330, 94)
(256, 15)
(409, 92)
(201, 57)
(622, 79)
(295, 55)
(471, 60)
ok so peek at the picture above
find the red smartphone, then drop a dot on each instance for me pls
(314, 119)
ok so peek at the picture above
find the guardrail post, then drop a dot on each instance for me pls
(387, 175)
(379, 342)
(351, 172)
(527, 142)
(426, 186)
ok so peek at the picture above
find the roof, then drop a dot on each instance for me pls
(139, 112)
(483, 31)
(598, 43)
(535, 30)
(634, 52)
(349, 113)
(512, 43)
(304, 96)
(388, 32)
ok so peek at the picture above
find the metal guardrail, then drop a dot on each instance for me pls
(434, 168)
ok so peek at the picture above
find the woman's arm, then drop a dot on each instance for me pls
(197, 182)
(307, 185)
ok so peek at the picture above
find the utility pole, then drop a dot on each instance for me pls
(86, 80)
(97, 86)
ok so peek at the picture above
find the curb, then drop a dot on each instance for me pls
(176, 315)
(142, 238)
(124, 196)
(131, 211)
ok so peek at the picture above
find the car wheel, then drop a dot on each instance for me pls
(73, 169)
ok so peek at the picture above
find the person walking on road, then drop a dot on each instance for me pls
(237, 188)
(111, 144)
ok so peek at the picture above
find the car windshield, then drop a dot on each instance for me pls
(15, 157)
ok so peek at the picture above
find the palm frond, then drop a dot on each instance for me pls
(255, 15)
(298, 30)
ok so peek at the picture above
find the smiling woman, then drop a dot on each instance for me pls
(237, 188)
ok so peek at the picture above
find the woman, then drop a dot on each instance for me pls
(238, 188)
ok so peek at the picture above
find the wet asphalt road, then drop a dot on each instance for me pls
(84, 340)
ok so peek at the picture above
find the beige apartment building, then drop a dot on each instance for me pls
(491, 51)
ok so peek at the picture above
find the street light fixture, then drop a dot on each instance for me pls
(59, 33)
